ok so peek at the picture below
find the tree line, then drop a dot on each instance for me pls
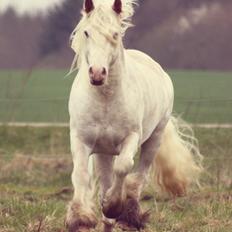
(191, 34)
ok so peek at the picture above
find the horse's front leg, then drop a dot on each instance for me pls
(104, 171)
(113, 201)
(132, 216)
(80, 215)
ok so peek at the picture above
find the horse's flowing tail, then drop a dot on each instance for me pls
(178, 161)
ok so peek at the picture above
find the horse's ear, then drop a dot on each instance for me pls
(88, 6)
(117, 7)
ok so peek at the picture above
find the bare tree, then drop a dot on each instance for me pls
(60, 23)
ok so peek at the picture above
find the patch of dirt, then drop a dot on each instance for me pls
(28, 163)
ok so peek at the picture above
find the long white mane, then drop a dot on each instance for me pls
(105, 20)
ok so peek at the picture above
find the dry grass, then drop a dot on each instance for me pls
(34, 190)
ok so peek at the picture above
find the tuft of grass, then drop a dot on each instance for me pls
(20, 214)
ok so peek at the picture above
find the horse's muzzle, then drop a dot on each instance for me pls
(97, 76)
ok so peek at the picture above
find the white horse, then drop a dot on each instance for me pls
(121, 101)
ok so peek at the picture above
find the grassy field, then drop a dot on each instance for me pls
(35, 185)
(42, 96)
(35, 164)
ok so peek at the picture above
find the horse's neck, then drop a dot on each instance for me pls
(116, 73)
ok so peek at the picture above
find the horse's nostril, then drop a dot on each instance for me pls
(103, 71)
(91, 70)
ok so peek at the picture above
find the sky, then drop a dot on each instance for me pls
(29, 6)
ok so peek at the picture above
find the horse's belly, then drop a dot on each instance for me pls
(103, 147)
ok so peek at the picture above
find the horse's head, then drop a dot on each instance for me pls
(98, 37)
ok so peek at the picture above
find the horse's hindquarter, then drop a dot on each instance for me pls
(156, 87)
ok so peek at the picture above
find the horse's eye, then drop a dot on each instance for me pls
(86, 34)
(115, 35)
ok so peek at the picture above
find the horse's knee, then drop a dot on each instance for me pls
(79, 218)
(123, 165)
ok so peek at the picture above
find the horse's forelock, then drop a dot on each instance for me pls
(103, 18)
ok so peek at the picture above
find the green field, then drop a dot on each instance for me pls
(35, 185)
(42, 96)
(35, 163)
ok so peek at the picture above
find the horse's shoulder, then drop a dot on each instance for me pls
(144, 59)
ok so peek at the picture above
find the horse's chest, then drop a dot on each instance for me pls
(104, 133)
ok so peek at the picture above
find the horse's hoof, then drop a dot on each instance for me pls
(81, 223)
(80, 220)
(125, 227)
(81, 229)
(131, 218)
(107, 227)
(79, 226)
(112, 210)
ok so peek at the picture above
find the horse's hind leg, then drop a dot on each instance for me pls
(80, 215)
(132, 215)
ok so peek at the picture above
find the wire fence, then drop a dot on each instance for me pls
(42, 97)
(55, 110)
